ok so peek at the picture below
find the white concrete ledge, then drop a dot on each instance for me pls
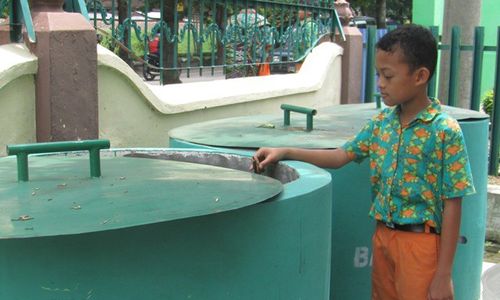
(135, 114)
(185, 97)
(17, 95)
(16, 61)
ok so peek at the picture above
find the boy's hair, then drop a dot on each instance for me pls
(417, 44)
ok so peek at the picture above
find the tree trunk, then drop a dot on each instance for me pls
(381, 13)
(122, 16)
(467, 15)
(169, 76)
(219, 19)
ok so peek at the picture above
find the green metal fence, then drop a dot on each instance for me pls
(18, 13)
(200, 35)
(455, 49)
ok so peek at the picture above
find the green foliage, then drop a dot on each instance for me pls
(139, 50)
(398, 10)
(487, 102)
(137, 46)
(4, 8)
(108, 42)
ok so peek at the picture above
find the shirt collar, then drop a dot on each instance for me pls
(430, 112)
(427, 114)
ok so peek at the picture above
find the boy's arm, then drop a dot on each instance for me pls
(441, 285)
(335, 158)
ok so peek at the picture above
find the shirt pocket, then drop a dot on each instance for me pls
(419, 169)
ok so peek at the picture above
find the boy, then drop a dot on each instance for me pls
(419, 172)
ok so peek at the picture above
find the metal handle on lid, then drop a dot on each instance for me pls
(22, 151)
(287, 108)
(377, 100)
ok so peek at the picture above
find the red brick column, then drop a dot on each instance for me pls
(352, 57)
(66, 82)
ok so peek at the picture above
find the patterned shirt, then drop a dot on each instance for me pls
(415, 167)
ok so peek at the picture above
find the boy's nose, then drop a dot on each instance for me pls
(380, 83)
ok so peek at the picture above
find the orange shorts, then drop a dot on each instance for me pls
(404, 264)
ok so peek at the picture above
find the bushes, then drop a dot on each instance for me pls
(108, 42)
(487, 102)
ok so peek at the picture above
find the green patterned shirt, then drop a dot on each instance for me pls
(413, 168)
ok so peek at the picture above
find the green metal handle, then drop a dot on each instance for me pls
(22, 151)
(377, 100)
(287, 108)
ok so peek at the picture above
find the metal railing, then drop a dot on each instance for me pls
(200, 35)
(455, 49)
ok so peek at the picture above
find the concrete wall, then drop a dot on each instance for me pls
(132, 113)
(17, 96)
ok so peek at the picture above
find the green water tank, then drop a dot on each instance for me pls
(162, 224)
(351, 227)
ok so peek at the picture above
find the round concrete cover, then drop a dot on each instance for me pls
(333, 126)
(61, 198)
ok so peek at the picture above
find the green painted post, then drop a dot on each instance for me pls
(129, 18)
(82, 8)
(431, 90)
(95, 13)
(113, 9)
(146, 34)
(370, 63)
(95, 161)
(22, 167)
(495, 135)
(15, 22)
(309, 112)
(162, 41)
(454, 66)
(477, 68)
(378, 101)
(176, 33)
(200, 40)
(188, 48)
(28, 22)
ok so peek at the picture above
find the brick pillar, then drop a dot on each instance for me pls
(4, 32)
(352, 58)
(66, 82)
(351, 65)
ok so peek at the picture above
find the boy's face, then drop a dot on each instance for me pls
(396, 83)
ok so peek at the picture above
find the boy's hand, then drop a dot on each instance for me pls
(265, 156)
(441, 288)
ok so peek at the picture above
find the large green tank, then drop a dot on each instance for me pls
(351, 227)
(162, 224)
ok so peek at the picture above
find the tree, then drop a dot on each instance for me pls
(467, 15)
(122, 16)
(380, 13)
(397, 10)
(168, 11)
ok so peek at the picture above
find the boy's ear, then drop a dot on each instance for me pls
(422, 75)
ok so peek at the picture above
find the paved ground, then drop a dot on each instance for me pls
(492, 252)
(207, 74)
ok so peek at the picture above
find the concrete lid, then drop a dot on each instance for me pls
(333, 126)
(61, 198)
